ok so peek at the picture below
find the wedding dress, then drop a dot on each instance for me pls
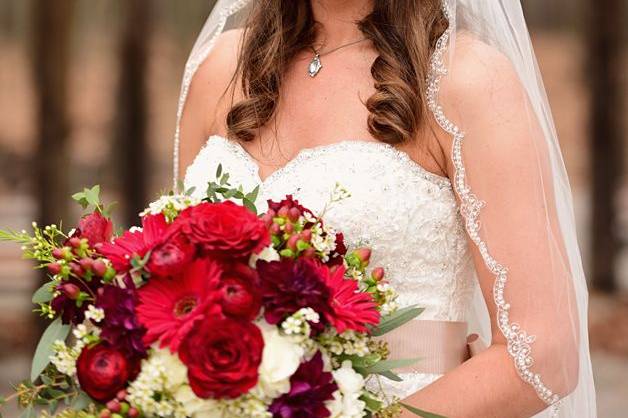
(504, 221)
(405, 214)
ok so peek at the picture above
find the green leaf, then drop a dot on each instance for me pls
(29, 412)
(388, 365)
(391, 376)
(420, 412)
(44, 293)
(372, 404)
(55, 331)
(80, 401)
(93, 195)
(252, 196)
(396, 319)
(249, 205)
(219, 171)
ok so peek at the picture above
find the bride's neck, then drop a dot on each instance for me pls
(338, 19)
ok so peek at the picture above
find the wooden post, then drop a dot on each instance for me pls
(604, 74)
(132, 110)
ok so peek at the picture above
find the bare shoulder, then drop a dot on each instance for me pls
(210, 95)
(477, 67)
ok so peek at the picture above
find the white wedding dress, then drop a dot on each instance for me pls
(505, 220)
(407, 215)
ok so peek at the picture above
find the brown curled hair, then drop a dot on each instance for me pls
(404, 32)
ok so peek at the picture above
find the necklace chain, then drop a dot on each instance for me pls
(316, 65)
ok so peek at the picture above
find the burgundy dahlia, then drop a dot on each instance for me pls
(289, 285)
(310, 388)
(120, 327)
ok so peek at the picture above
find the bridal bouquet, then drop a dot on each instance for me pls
(208, 310)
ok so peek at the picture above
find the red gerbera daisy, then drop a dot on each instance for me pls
(136, 243)
(169, 307)
(350, 308)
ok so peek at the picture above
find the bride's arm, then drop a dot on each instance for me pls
(209, 97)
(504, 163)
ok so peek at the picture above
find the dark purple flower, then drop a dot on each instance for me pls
(120, 327)
(310, 388)
(289, 285)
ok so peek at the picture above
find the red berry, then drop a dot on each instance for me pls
(72, 291)
(283, 211)
(58, 253)
(292, 242)
(121, 395)
(99, 267)
(105, 413)
(75, 242)
(306, 235)
(364, 254)
(54, 268)
(267, 219)
(113, 405)
(133, 412)
(378, 273)
(76, 269)
(289, 228)
(86, 263)
(293, 214)
(275, 229)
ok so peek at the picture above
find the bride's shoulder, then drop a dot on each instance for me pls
(222, 61)
(475, 67)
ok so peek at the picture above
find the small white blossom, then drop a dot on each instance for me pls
(94, 313)
(64, 357)
(170, 205)
(339, 193)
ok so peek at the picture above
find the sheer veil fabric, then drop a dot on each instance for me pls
(486, 92)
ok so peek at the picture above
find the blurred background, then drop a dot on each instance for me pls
(88, 94)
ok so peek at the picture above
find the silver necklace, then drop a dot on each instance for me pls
(316, 65)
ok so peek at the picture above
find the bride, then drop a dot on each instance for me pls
(433, 115)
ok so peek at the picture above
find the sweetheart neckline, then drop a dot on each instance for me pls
(309, 152)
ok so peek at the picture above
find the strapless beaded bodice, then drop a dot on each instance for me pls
(407, 215)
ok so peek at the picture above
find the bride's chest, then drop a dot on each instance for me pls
(403, 212)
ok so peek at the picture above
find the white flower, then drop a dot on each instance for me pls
(170, 205)
(267, 254)
(64, 357)
(94, 313)
(177, 371)
(195, 406)
(280, 360)
(347, 403)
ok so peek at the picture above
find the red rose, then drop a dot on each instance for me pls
(224, 230)
(238, 294)
(170, 256)
(96, 228)
(223, 356)
(103, 371)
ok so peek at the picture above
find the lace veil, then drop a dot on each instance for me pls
(485, 91)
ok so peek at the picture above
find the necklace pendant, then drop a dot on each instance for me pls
(315, 66)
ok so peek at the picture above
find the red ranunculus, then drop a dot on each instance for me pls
(238, 294)
(171, 256)
(222, 356)
(96, 228)
(103, 371)
(224, 230)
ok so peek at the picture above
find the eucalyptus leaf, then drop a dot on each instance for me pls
(219, 171)
(372, 404)
(388, 365)
(420, 412)
(396, 319)
(80, 401)
(44, 293)
(55, 331)
(391, 376)
(29, 412)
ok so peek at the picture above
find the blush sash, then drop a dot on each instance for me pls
(440, 346)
